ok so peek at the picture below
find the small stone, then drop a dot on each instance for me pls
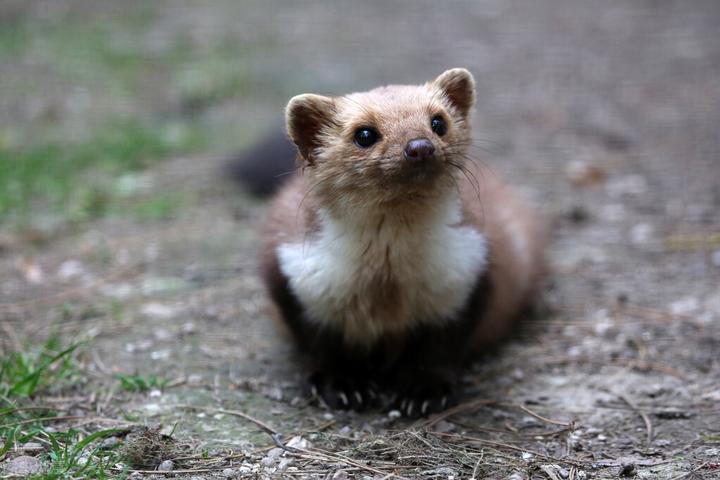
(157, 310)
(328, 416)
(166, 466)
(393, 414)
(285, 463)
(273, 393)
(24, 465)
(578, 214)
(443, 427)
(228, 473)
(583, 174)
(527, 456)
(340, 475)
(641, 234)
(628, 470)
(298, 442)
(628, 185)
(70, 268)
(685, 306)
(109, 442)
(716, 258)
(272, 457)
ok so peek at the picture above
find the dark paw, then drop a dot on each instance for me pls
(344, 393)
(422, 401)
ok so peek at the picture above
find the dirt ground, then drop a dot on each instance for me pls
(606, 114)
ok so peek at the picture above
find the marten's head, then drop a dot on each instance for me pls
(389, 144)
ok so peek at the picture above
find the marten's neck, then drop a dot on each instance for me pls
(408, 216)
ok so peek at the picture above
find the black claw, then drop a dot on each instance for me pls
(411, 405)
(341, 392)
(421, 400)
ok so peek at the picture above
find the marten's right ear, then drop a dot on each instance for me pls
(458, 85)
(305, 116)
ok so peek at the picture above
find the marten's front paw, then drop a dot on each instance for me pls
(343, 393)
(424, 399)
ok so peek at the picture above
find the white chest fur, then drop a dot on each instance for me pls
(368, 277)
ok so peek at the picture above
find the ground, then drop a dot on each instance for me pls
(605, 114)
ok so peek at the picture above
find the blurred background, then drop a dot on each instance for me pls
(119, 226)
(93, 92)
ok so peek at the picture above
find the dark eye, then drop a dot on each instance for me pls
(366, 137)
(438, 125)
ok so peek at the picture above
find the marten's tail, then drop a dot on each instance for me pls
(262, 168)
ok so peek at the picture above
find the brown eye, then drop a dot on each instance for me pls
(438, 125)
(365, 137)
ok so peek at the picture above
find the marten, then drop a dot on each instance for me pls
(390, 255)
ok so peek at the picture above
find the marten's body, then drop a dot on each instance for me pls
(389, 255)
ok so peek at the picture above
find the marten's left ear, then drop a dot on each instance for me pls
(305, 117)
(459, 86)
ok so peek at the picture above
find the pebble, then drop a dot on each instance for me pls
(685, 306)
(443, 427)
(628, 470)
(109, 442)
(157, 310)
(516, 476)
(166, 466)
(70, 268)
(641, 233)
(584, 174)
(632, 185)
(716, 258)
(272, 457)
(298, 442)
(24, 465)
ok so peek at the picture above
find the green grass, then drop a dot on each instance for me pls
(159, 207)
(141, 383)
(22, 374)
(49, 177)
(140, 101)
(28, 374)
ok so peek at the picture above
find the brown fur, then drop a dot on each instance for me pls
(369, 184)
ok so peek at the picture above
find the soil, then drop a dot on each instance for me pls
(605, 113)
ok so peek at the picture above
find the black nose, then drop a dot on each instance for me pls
(419, 150)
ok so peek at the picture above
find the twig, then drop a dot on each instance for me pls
(643, 415)
(477, 464)
(463, 407)
(263, 426)
(342, 458)
(570, 424)
(68, 417)
(549, 472)
(683, 475)
(505, 445)
(174, 472)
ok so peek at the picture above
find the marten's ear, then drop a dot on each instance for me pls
(305, 116)
(459, 86)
